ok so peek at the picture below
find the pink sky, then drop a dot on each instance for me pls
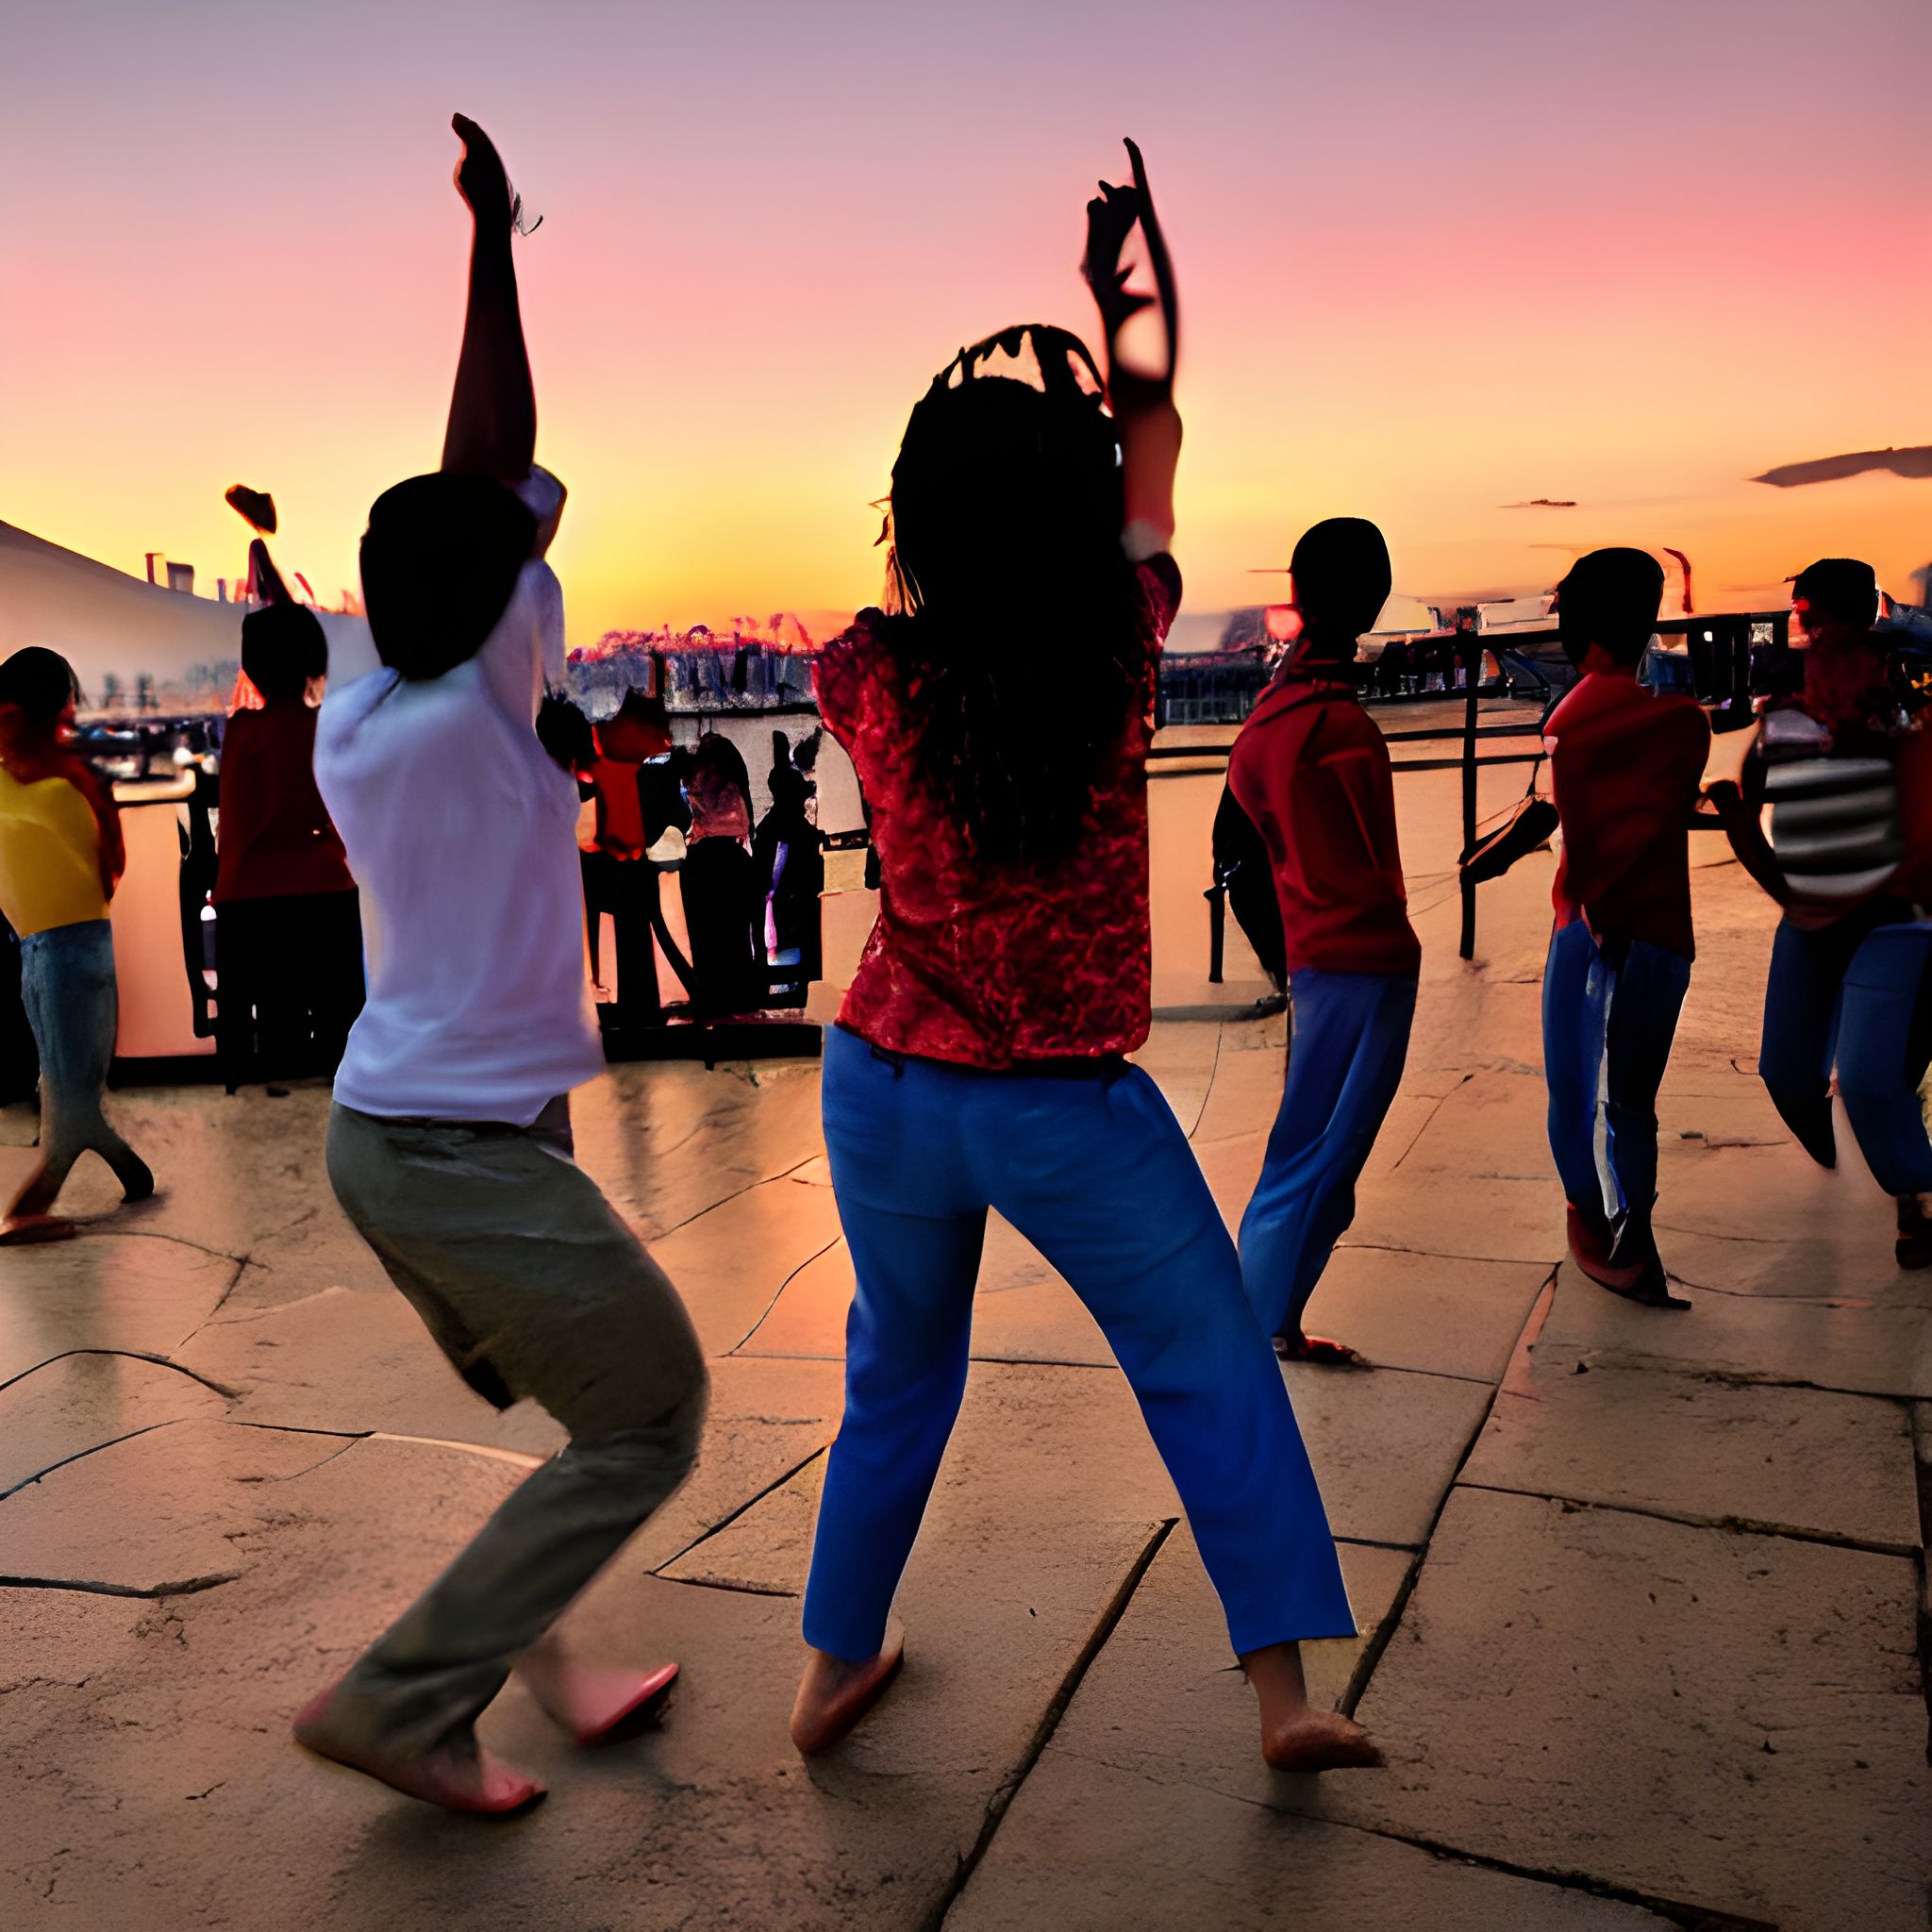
(1434, 260)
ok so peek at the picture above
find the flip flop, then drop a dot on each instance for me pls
(644, 1707)
(1321, 1351)
(29, 1230)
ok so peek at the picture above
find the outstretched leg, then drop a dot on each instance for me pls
(492, 410)
(1801, 1021)
(1098, 1175)
(906, 1353)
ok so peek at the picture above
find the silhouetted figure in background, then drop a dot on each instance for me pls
(638, 800)
(1626, 768)
(723, 904)
(1845, 764)
(788, 856)
(288, 918)
(61, 858)
(1311, 770)
(977, 1060)
(449, 1144)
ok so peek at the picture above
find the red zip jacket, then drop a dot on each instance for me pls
(1311, 769)
(1626, 767)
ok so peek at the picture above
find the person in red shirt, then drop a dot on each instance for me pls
(288, 918)
(1311, 770)
(998, 724)
(1626, 769)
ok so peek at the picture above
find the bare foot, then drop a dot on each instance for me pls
(1293, 1737)
(1319, 1740)
(595, 1704)
(26, 1230)
(468, 1779)
(1319, 1349)
(834, 1695)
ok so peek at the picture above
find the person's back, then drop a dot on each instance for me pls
(996, 966)
(462, 830)
(1625, 768)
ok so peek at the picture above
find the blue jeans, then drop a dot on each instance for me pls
(1350, 1037)
(67, 986)
(1853, 996)
(1608, 1022)
(1094, 1171)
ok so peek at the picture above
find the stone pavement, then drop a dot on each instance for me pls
(1640, 1596)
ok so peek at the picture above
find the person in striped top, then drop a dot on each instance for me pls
(1834, 818)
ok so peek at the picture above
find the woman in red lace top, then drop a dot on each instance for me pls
(998, 721)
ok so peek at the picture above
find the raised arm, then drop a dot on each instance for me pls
(1141, 399)
(492, 411)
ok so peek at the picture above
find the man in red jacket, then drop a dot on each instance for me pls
(1626, 768)
(1311, 770)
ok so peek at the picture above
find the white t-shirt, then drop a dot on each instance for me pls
(461, 833)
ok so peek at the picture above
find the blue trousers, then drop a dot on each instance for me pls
(1096, 1172)
(1609, 1021)
(1853, 995)
(1350, 1037)
(67, 986)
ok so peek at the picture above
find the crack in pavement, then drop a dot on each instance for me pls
(778, 1294)
(1009, 1787)
(1689, 1519)
(133, 1354)
(1430, 1120)
(189, 1586)
(704, 1535)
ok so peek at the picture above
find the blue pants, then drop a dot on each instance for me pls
(67, 986)
(1853, 995)
(1096, 1172)
(1609, 1021)
(1351, 1036)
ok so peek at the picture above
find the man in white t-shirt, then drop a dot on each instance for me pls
(449, 1143)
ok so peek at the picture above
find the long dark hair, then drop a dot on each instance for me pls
(1019, 626)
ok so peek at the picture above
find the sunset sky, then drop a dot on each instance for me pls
(1434, 260)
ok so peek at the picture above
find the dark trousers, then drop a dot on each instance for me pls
(289, 984)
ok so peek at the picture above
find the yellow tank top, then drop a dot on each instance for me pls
(50, 867)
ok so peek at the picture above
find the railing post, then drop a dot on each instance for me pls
(1466, 946)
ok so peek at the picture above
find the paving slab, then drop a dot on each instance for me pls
(355, 1361)
(1731, 1722)
(1035, 1449)
(136, 1292)
(1864, 1346)
(668, 1141)
(1404, 1310)
(79, 1403)
(1087, 1847)
(766, 1419)
(164, 1798)
(730, 1262)
(174, 1509)
(1386, 1444)
(1751, 1456)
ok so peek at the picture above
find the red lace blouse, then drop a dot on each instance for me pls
(994, 966)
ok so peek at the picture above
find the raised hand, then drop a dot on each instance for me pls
(480, 177)
(1111, 217)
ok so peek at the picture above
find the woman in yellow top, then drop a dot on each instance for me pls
(60, 858)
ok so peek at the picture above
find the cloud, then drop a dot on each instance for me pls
(1542, 502)
(1916, 461)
